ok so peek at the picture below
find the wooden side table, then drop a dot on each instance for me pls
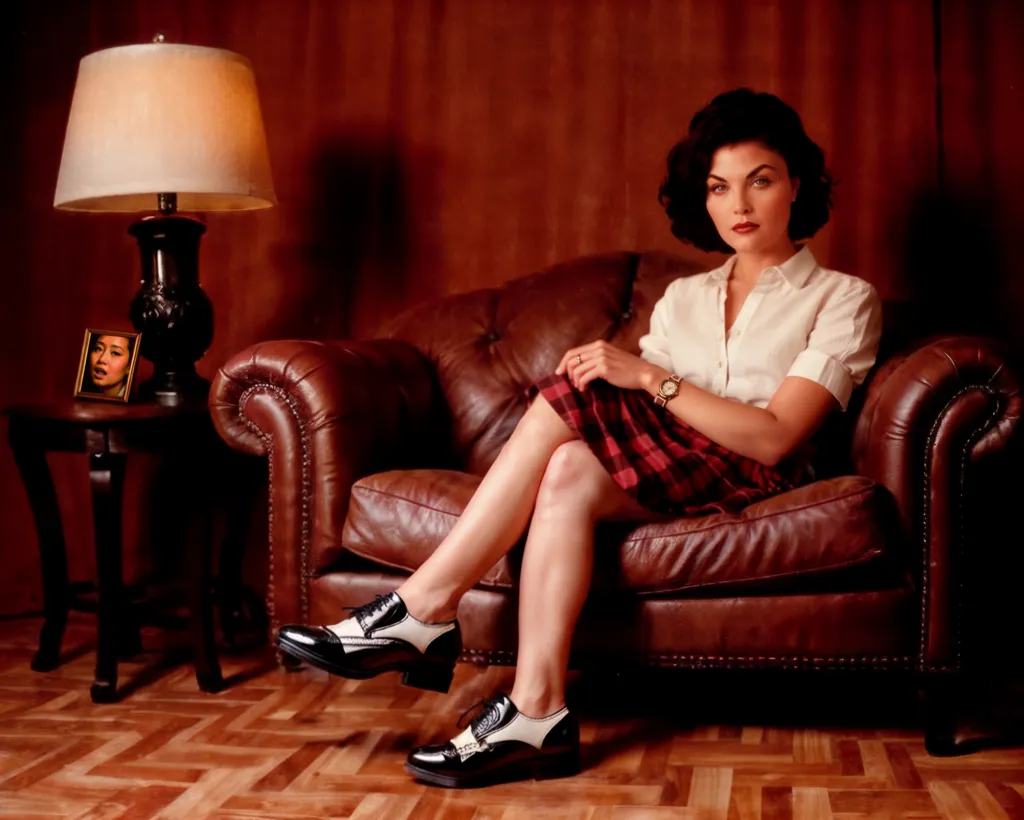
(108, 433)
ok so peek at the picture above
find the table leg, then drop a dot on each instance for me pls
(42, 497)
(106, 474)
(199, 550)
(243, 618)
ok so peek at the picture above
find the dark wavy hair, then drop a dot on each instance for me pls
(738, 116)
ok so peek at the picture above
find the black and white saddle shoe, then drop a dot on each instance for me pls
(501, 745)
(381, 636)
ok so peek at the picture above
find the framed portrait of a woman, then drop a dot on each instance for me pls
(107, 366)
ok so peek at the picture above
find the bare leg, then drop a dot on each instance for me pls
(575, 493)
(493, 520)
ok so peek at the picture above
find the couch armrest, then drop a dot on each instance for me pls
(326, 414)
(936, 421)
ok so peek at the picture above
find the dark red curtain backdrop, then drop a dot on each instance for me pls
(424, 147)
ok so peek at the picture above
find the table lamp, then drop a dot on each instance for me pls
(161, 127)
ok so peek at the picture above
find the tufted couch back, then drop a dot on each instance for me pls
(489, 345)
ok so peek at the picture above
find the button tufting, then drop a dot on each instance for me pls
(492, 336)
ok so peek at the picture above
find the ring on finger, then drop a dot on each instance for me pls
(579, 358)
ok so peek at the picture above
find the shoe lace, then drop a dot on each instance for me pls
(360, 613)
(486, 715)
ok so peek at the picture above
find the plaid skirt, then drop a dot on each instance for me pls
(658, 460)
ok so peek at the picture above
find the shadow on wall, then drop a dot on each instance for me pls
(368, 242)
(955, 281)
(957, 278)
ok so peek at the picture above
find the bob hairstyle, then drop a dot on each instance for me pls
(738, 116)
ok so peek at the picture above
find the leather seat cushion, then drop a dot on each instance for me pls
(831, 534)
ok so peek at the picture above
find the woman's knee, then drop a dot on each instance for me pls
(541, 423)
(575, 482)
(569, 479)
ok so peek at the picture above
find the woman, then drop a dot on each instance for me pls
(109, 360)
(740, 367)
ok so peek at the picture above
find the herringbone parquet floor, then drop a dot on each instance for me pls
(304, 745)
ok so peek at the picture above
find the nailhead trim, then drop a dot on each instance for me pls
(304, 542)
(961, 516)
(504, 657)
(783, 661)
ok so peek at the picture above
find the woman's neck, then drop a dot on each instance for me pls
(748, 265)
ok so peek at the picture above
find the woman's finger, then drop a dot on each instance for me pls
(587, 373)
(575, 371)
(567, 359)
(584, 352)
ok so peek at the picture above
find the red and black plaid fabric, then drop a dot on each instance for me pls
(660, 461)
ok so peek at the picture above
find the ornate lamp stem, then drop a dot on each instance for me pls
(171, 310)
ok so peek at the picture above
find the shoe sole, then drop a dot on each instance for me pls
(433, 676)
(549, 768)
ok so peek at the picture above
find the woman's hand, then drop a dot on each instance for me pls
(601, 360)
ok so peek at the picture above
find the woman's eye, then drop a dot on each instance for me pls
(716, 189)
(765, 180)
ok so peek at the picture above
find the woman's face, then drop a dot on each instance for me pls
(108, 362)
(749, 197)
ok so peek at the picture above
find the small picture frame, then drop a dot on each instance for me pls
(107, 366)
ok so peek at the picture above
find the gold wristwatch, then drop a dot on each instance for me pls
(668, 389)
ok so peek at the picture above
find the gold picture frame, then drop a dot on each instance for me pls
(107, 366)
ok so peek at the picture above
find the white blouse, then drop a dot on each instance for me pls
(799, 320)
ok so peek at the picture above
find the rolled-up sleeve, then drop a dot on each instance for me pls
(654, 346)
(843, 343)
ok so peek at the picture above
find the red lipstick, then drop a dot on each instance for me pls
(745, 227)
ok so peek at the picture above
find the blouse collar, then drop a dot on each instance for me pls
(796, 270)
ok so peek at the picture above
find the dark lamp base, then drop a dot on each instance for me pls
(174, 388)
(171, 310)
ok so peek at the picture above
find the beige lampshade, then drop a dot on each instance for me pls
(164, 118)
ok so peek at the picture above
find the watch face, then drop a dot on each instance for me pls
(669, 387)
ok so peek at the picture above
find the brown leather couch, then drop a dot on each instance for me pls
(376, 446)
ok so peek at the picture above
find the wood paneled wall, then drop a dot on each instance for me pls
(424, 147)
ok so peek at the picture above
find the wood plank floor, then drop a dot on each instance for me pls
(305, 745)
